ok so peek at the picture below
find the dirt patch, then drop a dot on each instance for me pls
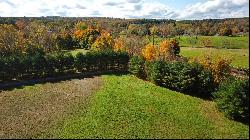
(32, 111)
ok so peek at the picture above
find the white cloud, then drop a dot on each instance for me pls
(216, 9)
(124, 8)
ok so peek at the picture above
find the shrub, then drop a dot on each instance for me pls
(65, 41)
(80, 62)
(233, 99)
(219, 66)
(181, 76)
(136, 66)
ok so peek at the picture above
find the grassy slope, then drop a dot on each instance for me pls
(127, 107)
(240, 57)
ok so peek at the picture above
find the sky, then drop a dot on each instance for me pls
(157, 9)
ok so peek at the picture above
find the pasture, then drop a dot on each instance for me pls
(215, 41)
(239, 57)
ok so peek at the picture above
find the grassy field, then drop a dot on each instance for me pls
(240, 57)
(216, 41)
(126, 107)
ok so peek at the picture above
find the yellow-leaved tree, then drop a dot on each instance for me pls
(103, 42)
(119, 45)
(149, 52)
(218, 65)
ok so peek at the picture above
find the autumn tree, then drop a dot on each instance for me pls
(168, 50)
(149, 52)
(119, 45)
(8, 39)
(39, 36)
(225, 31)
(103, 42)
(85, 35)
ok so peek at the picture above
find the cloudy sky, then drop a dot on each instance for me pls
(168, 9)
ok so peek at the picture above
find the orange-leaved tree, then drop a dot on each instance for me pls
(168, 50)
(149, 52)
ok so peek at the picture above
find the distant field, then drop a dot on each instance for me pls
(240, 57)
(74, 52)
(216, 41)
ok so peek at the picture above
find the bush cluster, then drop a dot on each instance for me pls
(136, 66)
(184, 77)
(40, 65)
(190, 78)
(233, 99)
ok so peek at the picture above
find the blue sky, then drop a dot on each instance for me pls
(159, 9)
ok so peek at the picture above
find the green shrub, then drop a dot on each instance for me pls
(80, 62)
(65, 42)
(233, 99)
(181, 76)
(39, 65)
(136, 66)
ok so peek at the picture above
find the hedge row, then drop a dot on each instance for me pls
(232, 98)
(39, 65)
(190, 78)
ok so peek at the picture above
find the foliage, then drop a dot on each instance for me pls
(233, 99)
(149, 52)
(8, 40)
(39, 65)
(168, 50)
(39, 36)
(131, 44)
(103, 42)
(136, 66)
(86, 36)
(65, 41)
(218, 65)
(181, 76)
(119, 45)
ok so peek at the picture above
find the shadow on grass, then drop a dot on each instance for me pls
(10, 85)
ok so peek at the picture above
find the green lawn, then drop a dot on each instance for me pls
(127, 107)
(240, 57)
(216, 41)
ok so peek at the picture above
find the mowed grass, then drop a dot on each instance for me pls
(240, 57)
(127, 107)
(216, 41)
